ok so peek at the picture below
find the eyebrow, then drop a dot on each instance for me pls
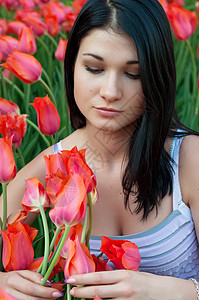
(129, 62)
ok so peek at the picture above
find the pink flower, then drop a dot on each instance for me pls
(123, 254)
(14, 125)
(183, 21)
(7, 106)
(27, 41)
(35, 196)
(61, 49)
(70, 204)
(8, 168)
(47, 115)
(79, 259)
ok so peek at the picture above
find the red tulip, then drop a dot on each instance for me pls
(76, 164)
(54, 163)
(1, 56)
(21, 13)
(52, 24)
(32, 19)
(34, 196)
(54, 8)
(5, 49)
(18, 252)
(123, 254)
(11, 4)
(164, 4)
(3, 26)
(7, 44)
(8, 168)
(180, 2)
(27, 41)
(24, 66)
(101, 264)
(7, 106)
(79, 259)
(47, 116)
(53, 184)
(75, 231)
(15, 27)
(6, 72)
(70, 206)
(27, 4)
(14, 125)
(71, 17)
(183, 22)
(5, 296)
(61, 49)
(78, 4)
(13, 42)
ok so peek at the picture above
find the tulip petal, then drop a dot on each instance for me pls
(22, 253)
(6, 250)
(131, 258)
(8, 168)
(24, 66)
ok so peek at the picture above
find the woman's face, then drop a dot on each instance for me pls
(107, 86)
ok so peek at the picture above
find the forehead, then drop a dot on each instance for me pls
(106, 42)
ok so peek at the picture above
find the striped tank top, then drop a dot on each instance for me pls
(170, 248)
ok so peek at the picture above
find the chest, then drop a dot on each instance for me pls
(110, 216)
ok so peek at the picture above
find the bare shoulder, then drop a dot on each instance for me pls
(189, 168)
(77, 138)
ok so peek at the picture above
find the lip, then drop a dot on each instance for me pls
(107, 112)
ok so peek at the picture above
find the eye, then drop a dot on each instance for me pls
(133, 76)
(94, 70)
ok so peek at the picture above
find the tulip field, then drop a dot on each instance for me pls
(34, 115)
(39, 30)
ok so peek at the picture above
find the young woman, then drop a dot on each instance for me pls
(120, 82)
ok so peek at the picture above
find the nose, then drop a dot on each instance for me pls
(111, 89)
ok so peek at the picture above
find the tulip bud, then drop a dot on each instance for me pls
(8, 168)
(24, 66)
(47, 116)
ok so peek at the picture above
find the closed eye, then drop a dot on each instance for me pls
(94, 70)
(133, 76)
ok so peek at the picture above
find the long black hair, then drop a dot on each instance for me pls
(148, 173)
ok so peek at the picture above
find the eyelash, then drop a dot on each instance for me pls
(98, 71)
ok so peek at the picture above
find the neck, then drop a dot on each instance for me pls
(110, 145)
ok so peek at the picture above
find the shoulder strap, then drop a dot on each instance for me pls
(57, 147)
(178, 203)
(177, 196)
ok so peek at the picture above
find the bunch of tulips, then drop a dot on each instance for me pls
(33, 39)
(70, 193)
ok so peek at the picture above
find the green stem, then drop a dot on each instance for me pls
(4, 89)
(4, 187)
(47, 77)
(46, 236)
(68, 294)
(90, 204)
(27, 100)
(15, 87)
(52, 140)
(52, 39)
(54, 239)
(48, 90)
(194, 68)
(85, 225)
(37, 129)
(65, 234)
(21, 157)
